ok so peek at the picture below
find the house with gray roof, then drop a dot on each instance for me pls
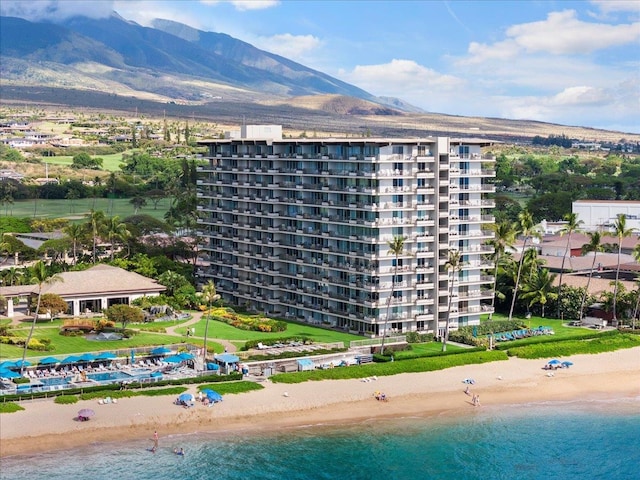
(92, 290)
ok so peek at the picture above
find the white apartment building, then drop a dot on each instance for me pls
(602, 214)
(300, 228)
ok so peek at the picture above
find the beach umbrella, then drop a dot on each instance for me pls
(186, 356)
(212, 395)
(554, 362)
(106, 356)
(160, 351)
(70, 359)
(174, 359)
(48, 361)
(186, 397)
(5, 373)
(7, 364)
(567, 363)
(87, 357)
(86, 414)
(21, 363)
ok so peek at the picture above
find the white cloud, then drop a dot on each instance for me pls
(55, 10)
(408, 80)
(582, 96)
(560, 34)
(243, 5)
(608, 6)
(293, 47)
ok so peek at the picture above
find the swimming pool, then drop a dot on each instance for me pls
(108, 377)
(50, 381)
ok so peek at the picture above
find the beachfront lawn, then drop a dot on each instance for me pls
(10, 407)
(560, 327)
(231, 388)
(64, 345)
(604, 342)
(425, 364)
(223, 331)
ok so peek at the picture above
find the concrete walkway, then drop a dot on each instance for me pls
(197, 316)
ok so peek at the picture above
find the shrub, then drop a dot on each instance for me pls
(66, 399)
(10, 407)
(252, 323)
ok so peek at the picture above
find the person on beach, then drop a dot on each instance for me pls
(467, 390)
(179, 451)
(474, 401)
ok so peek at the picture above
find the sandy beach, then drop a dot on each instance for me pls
(46, 426)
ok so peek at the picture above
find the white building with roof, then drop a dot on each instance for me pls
(299, 228)
(602, 214)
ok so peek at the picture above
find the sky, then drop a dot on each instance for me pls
(565, 62)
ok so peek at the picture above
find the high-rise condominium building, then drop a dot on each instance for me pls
(301, 228)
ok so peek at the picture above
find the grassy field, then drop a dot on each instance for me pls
(238, 337)
(561, 328)
(110, 163)
(77, 209)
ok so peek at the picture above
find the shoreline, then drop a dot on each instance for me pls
(45, 426)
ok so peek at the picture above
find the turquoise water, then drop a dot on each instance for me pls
(597, 440)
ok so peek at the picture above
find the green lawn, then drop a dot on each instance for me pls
(77, 209)
(560, 327)
(111, 162)
(227, 332)
(72, 345)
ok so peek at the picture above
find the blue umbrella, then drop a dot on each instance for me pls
(48, 361)
(554, 362)
(186, 356)
(87, 357)
(212, 395)
(174, 359)
(70, 359)
(106, 356)
(567, 363)
(186, 397)
(160, 351)
(21, 363)
(7, 364)
(9, 374)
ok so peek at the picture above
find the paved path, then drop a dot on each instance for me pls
(197, 316)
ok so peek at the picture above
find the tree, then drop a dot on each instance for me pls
(504, 237)
(621, 231)
(209, 296)
(84, 160)
(454, 265)
(539, 289)
(636, 255)
(115, 230)
(75, 233)
(528, 231)
(96, 228)
(39, 275)
(124, 314)
(53, 304)
(172, 280)
(573, 225)
(137, 202)
(396, 248)
(595, 246)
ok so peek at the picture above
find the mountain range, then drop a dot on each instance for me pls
(174, 69)
(170, 60)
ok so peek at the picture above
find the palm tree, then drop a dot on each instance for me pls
(573, 225)
(621, 231)
(12, 276)
(454, 264)
(96, 227)
(636, 255)
(539, 289)
(527, 229)
(75, 233)
(209, 296)
(115, 230)
(504, 237)
(595, 246)
(40, 276)
(396, 248)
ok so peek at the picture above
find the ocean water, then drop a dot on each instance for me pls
(591, 440)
